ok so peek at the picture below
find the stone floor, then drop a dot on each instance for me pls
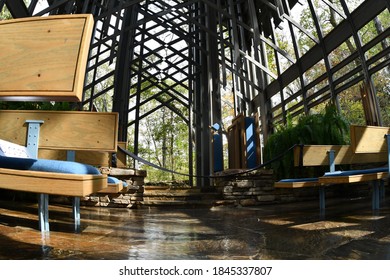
(349, 230)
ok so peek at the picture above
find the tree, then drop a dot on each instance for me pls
(5, 14)
(163, 133)
(350, 99)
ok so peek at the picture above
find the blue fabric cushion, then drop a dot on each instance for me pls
(16, 163)
(113, 180)
(47, 165)
(299, 180)
(356, 172)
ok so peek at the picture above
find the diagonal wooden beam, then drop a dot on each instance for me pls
(17, 8)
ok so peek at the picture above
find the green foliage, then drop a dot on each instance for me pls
(382, 84)
(163, 133)
(352, 106)
(165, 143)
(5, 14)
(328, 127)
(50, 106)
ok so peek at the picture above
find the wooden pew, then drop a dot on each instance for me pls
(71, 132)
(44, 59)
(318, 155)
(368, 146)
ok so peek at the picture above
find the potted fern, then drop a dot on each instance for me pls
(328, 127)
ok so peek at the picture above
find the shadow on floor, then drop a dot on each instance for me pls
(349, 230)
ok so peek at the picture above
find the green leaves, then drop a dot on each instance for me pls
(327, 127)
(49, 106)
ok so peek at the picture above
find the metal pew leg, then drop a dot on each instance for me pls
(43, 212)
(322, 197)
(71, 156)
(375, 195)
(322, 201)
(382, 190)
(76, 213)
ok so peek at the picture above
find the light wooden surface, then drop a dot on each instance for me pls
(121, 157)
(368, 145)
(51, 183)
(298, 184)
(96, 158)
(112, 188)
(237, 143)
(369, 139)
(63, 130)
(44, 58)
(317, 155)
(331, 180)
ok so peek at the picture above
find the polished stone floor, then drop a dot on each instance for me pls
(349, 230)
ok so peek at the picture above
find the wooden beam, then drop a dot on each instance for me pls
(17, 8)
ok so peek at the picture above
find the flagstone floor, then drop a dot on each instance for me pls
(349, 230)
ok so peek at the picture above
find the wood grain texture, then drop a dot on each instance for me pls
(51, 182)
(112, 188)
(332, 180)
(294, 185)
(63, 130)
(368, 145)
(317, 155)
(95, 158)
(121, 156)
(44, 58)
(369, 139)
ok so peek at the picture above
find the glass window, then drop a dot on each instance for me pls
(275, 100)
(342, 51)
(315, 71)
(353, 4)
(351, 105)
(292, 89)
(381, 81)
(346, 69)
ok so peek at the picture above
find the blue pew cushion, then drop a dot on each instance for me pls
(47, 165)
(14, 156)
(113, 180)
(357, 172)
(299, 180)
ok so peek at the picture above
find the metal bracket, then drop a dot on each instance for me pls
(331, 156)
(33, 137)
(71, 155)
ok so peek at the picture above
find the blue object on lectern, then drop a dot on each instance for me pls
(251, 156)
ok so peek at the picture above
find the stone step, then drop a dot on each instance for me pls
(171, 196)
(176, 203)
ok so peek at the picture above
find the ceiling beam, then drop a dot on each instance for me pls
(363, 14)
(17, 8)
